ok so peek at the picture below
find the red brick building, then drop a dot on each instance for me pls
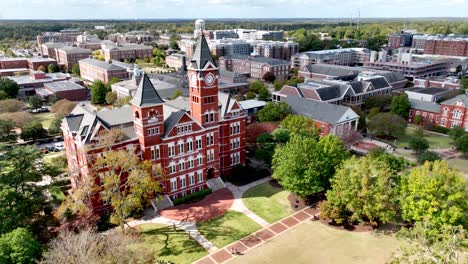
(35, 63)
(68, 56)
(68, 89)
(450, 47)
(13, 63)
(195, 140)
(130, 52)
(255, 66)
(93, 70)
(452, 113)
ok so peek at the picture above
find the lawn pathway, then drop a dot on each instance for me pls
(238, 204)
(189, 227)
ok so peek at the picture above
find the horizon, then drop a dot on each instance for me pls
(229, 9)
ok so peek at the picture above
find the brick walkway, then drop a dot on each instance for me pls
(251, 241)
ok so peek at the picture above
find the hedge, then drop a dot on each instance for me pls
(439, 129)
(191, 197)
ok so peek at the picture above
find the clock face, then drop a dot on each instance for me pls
(209, 79)
(193, 79)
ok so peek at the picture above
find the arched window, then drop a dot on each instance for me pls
(456, 114)
(137, 115)
(445, 111)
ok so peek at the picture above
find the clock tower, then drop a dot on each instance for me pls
(203, 84)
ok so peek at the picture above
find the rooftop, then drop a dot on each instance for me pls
(108, 66)
(259, 59)
(74, 50)
(63, 86)
(425, 106)
(249, 104)
(431, 91)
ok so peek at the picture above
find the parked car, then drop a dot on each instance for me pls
(59, 146)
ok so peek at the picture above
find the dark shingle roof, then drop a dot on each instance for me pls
(146, 94)
(379, 82)
(202, 54)
(329, 93)
(171, 121)
(333, 70)
(74, 121)
(116, 116)
(320, 111)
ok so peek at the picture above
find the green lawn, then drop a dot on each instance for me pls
(168, 245)
(435, 141)
(267, 201)
(460, 163)
(313, 242)
(227, 228)
(45, 118)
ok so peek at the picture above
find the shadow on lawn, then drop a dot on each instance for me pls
(214, 228)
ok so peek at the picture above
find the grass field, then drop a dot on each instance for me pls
(313, 242)
(435, 141)
(45, 118)
(460, 163)
(267, 201)
(227, 228)
(168, 245)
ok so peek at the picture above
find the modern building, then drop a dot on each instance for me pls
(255, 66)
(68, 56)
(333, 119)
(282, 50)
(419, 41)
(347, 57)
(227, 47)
(414, 69)
(126, 52)
(136, 37)
(447, 45)
(402, 39)
(194, 143)
(336, 91)
(93, 70)
(347, 73)
(69, 90)
(225, 34)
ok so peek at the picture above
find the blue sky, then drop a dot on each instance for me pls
(154, 9)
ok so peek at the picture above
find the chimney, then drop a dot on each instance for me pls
(184, 63)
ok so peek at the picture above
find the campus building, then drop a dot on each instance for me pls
(95, 70)
(255, 66)
(129, 52)
(195, 140)
(347, 57)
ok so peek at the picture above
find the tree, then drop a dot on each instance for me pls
(256, 86)
(98, 92)
(269, 77)
(278, 85)
(300, 125)
(76, 70)
(274, 112)
(464, 83)
(456, 133)
(387, 125)
(428, 156)
(128, 182)
(461, 144)
(264, 94)
(19, 246)
(111, 97)
(41, 68)
(35, 102)
(418, 120)
(281, 135)
(426, 243)
(434, 193)
(11, 105)
(7, 131)
(305, 165)
(9, 87)
(55, 126)
(362, 190)
(373, 112)
(121, 101)
(33, 131)
(176, 94)
(63, 107)
(19, 118)
(173, 44)
(250, 95)
(383, 102)
(114, 80)
(3, 95)
(89, 246)
(418, 144)
(395, 164)
(400, 105)
(52, 68)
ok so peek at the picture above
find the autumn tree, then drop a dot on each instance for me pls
(269, 77)
(19, 118)
(111, 97)
(274, 112)
(11, 105)
(387, 125)
(52, 68)
(434, 193)
(62, 107)
(305, 165)
(426, 243)
(362, 190)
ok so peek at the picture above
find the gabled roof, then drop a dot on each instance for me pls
(202, 54)
(320, 111)
(146, 94)
(462, 97)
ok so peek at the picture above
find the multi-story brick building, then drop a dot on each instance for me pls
(68, 89)
(13, 63)
(129, 52)
(429, 112)
(68, 56)
(255, 66)
(450, 46)
(48, 49)
(402, 39)
(282, 50)
(35, 63)
(438, 82)
(93, 70)
(195, 141)
(176, 61)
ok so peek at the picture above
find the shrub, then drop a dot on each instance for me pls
(192, 197)
(428, 156)
(439, 129)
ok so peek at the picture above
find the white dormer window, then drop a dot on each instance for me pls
(460, 103)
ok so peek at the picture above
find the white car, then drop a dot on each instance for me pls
(59, 146)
